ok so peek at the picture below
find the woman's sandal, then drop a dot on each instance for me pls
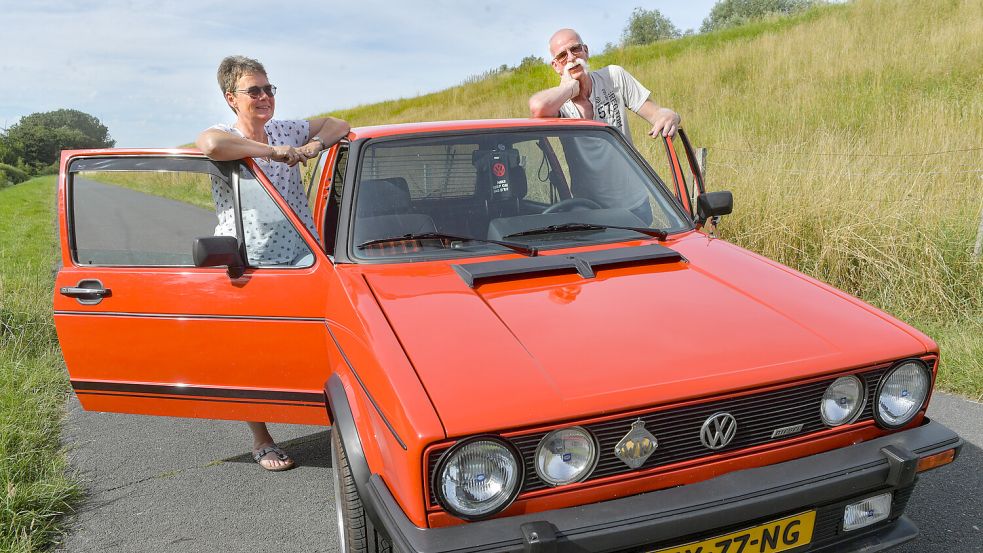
(280, 454)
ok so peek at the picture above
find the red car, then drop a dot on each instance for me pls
(524, 338)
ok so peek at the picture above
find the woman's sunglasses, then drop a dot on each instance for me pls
(255, 92)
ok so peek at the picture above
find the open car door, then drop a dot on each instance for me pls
(687, 175)
(144, 330)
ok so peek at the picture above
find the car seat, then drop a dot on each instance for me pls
(383, 210)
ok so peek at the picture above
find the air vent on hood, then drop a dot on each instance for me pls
(583, 263)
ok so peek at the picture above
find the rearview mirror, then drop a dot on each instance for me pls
(714, 204)
(219, 251)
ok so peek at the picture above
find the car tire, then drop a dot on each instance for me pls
(356, 533)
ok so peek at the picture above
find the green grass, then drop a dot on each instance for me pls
(36, 488)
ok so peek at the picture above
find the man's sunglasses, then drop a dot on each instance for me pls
(254, 92)
(575, 50)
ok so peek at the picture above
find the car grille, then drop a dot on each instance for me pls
(678, 430)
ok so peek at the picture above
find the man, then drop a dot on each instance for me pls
(602, 95)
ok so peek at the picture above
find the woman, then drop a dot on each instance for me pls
(277, 146)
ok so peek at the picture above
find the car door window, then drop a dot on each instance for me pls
(149, 211)
(271, 239)
(126, 216)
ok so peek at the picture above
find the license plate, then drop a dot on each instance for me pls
(772, 537)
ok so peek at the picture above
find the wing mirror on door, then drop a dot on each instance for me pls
(219, 251)
(713, 204)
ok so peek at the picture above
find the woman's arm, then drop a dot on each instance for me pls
(222, 146)
(329, 129)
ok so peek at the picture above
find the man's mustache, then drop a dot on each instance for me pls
(570, 65)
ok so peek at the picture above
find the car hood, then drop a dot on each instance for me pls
(538, 348)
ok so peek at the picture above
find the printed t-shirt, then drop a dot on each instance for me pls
(595, 174)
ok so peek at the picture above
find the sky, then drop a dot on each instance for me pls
(146, 69)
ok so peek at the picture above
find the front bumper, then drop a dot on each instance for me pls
(677, 515)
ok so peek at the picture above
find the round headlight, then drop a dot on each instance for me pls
(842, 401)
(566, 455)
(478, 477)
(902, 393)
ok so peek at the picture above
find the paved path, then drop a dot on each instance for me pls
(173, 485)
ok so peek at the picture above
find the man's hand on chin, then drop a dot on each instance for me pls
(570, 81)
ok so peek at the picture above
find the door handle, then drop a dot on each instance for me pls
(74, 292)
(86, 292)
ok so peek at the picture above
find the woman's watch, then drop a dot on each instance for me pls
(319, 141)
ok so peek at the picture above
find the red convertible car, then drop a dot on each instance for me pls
(523, 337)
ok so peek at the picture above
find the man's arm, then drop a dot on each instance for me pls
(546, 103)
(664, 121)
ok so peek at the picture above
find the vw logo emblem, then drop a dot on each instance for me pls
(718, 430)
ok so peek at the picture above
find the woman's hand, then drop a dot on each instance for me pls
(287, 154)
(310, 150)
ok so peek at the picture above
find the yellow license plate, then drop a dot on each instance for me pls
(775, 536)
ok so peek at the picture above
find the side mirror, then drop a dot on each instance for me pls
(219, 251)
(714, 204)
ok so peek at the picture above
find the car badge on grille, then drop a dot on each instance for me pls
(787, 430)
(637, 445)
(718, 430)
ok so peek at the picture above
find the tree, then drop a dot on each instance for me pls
(531, 60)
(646, 26)
(730, 13)
(37, 139)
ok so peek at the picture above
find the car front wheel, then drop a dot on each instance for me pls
(356, 534)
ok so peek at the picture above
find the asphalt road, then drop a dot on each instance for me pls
(160, 484)
(120, 226)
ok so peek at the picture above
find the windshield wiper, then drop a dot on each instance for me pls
(571, 227)
(520, 248)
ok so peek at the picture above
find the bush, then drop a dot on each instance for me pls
(647, 26)
(49, 169)
(731, 13)
(12, 175)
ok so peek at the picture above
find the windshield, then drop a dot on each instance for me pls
(545, 188)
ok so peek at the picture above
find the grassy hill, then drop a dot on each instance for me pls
(851, 136)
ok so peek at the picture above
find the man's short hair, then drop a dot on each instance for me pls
(234, 67)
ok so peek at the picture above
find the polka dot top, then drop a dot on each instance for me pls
(268, 241)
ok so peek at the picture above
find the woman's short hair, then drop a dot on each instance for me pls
(234, 67)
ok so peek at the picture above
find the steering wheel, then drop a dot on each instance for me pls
(571, 204)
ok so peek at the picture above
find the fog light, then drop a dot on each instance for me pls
(867, 512)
